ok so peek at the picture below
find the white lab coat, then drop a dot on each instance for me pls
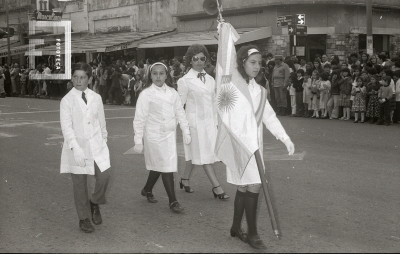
(85, 126)
(201, 113)
(158, 110)
(251, 174)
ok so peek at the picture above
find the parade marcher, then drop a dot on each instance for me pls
(85, 151)
(246, 200)
(197, 91)
(158, 110)
(15, 80)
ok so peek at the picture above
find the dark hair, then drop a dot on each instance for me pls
(334, 62)
(290, 63)
(301, 71)
(365, 55)
(168, 80)
(82, 67)
(388, 79)
(327, 66)
(354, 54)
(335, 72)
(359, 78)
(371, 70)
(324, 76)
(388, 72)
(242, 55)
(396, 73)
(346, 70)
(194, 50)
(378, 68)
(140, 64)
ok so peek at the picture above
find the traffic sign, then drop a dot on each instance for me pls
(292, 29)
(301, 30)
(284, 20)
(300, 19)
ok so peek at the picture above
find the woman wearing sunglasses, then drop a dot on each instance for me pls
(197, 90)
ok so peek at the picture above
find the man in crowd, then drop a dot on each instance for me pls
(280, 82)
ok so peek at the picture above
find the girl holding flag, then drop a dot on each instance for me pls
(249, 184)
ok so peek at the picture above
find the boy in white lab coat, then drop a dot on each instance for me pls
(85, 151)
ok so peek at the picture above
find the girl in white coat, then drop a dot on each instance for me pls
(197, 91)
(158, 110)
(249, 64)
(85, 150)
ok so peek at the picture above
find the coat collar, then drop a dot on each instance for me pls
(78, 96)
(192, 74)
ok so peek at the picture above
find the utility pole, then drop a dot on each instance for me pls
(370, 42)
(8, 36)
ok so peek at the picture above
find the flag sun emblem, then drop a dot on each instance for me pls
(227, 98)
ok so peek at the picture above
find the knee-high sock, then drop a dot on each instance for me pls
(238, 209)
(250, 204)
(168, 181)
(151, 180)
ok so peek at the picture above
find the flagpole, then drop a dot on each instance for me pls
(268, 197)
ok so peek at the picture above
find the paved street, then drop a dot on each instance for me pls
(340, 192)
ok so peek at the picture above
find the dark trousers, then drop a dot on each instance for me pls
(384, 112)
(81, 196)
(280, 96)
(115, 94)
(299, 103)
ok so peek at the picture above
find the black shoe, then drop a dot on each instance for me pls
(176, 207)
(222, 196)
(96, 216)
(256, 242)
(150, 196)
(86, 226)
(187, 188)
(239, 233)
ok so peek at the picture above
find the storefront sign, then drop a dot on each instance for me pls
(284, 20)
(300, 51)
(301, 30)
(118, 47)
(48, 15)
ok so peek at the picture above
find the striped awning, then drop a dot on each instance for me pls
(206, 38)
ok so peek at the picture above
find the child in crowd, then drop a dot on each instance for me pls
(385, 93)
(158, 110)
(356, 72)
(389, 73)
(359, 93)
(298, 85)
(315, 83)
(328, 69)
(292, 92)
(373, 103)
(307, 95)
(324, 89)
(333, 102)
(396, 77)
(345, 92)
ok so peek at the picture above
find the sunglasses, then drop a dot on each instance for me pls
(196, 59)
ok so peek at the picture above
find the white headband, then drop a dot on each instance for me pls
(158, 63)
(252, 51)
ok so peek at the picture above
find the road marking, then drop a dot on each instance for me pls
(7, 135)
(50, 122)
(273, 154)
(54, 111)
(55, 136)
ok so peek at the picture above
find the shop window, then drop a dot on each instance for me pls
(310, 45)
(380, 43)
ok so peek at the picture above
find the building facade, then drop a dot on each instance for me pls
(334, 26)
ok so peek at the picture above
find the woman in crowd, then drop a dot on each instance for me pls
(197, 91)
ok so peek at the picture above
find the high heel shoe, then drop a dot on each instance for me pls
(239, 234)
(222, 196)
(187, 188)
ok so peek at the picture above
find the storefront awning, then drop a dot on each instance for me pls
(108, 42)
(16, 50)
(206, 38)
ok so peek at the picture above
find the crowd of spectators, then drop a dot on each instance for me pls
(363, 87)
